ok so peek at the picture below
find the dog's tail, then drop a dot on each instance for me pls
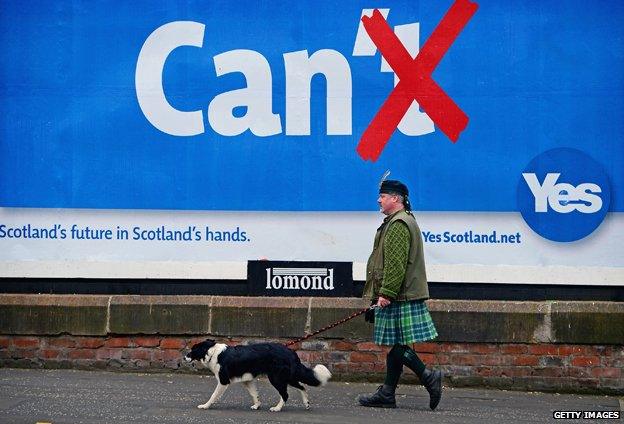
(317, 376)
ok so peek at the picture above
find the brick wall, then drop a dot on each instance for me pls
(549, 345)
(517, 366)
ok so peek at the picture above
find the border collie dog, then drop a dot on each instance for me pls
(242, 364)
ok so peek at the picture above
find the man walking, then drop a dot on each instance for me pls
(397, 283)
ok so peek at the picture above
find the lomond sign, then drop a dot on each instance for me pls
(289, 278)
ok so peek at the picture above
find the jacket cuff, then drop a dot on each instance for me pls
(387, 293)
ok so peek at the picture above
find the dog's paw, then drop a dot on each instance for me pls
(307, 405)
(255, 406)
(275, 409)
(203, 406)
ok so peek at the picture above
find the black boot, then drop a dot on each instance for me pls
(382, 398)
(432, 380)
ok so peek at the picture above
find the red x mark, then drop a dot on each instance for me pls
(415, 82)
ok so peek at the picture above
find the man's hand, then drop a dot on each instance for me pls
(382, 302)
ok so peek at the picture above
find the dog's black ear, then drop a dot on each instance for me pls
(199, 350)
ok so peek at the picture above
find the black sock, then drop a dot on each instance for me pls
(394, 365)
(412, 361)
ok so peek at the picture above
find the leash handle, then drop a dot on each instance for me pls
(329, 327)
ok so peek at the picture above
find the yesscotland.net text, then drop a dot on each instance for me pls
(471, 237)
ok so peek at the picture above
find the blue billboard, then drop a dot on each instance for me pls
(199, 105)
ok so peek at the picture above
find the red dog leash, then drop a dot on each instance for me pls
(329, 327)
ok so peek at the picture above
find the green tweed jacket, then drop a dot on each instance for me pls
(384, 274)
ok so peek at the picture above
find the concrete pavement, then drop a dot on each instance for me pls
(73, 397)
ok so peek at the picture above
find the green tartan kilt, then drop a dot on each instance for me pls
(403, 323)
